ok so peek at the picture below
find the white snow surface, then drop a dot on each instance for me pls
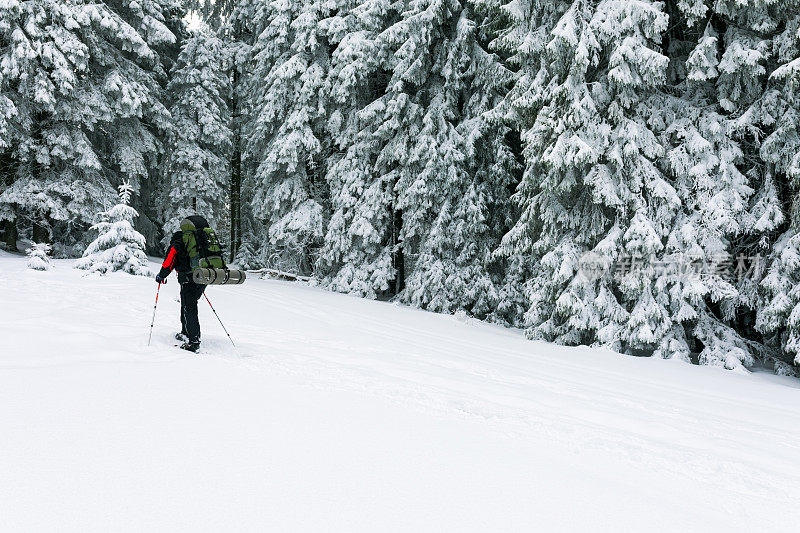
(341, 414)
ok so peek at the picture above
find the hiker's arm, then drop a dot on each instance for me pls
(167, 265)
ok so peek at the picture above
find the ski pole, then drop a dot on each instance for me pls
(154, 315)
(220, 321)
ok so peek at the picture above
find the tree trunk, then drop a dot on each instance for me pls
(10, 234)
(236, 174)
(8, 167)
(398, 259)
(236, 198)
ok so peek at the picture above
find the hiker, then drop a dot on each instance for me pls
(196, 254)
(178, 259)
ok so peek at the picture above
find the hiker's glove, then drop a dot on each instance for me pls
(159, 279)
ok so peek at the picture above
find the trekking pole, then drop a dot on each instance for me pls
(220, 321)
(154, 315)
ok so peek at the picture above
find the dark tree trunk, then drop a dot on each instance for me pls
(398, 259)
(8, 166)
(236, 197)
(236, 173)
(10, 234)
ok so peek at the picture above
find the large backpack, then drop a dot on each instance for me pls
(201, 243)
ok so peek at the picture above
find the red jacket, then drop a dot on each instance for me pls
(177, 259)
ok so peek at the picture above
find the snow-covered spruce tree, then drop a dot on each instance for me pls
(590, 170)
(38, 258)
(197, 163)
(119, 246)
(145, 125)
(82, 82)
(247, 256)
(623, 169)
(51, 105)
(730, 100)
(778, 113)
(369, 124)
(729, 203)
(420, 171)
(779, 314)
(432, 154)
(522, 31)
(457, 204)
(236, 22)
(286, 134)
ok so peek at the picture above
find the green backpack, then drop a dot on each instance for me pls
(201, 243)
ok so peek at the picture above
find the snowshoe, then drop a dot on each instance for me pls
(190, 346)
(183, 337)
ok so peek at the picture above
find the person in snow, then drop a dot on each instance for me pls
(178, 259)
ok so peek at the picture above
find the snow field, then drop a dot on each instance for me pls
(341, 414)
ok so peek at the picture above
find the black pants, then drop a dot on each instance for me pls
(190, 295)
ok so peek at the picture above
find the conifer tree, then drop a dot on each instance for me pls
(746, 209)
(52, 105)
(84, 86)
(778, 113)
(38, 258)
(118, 246)
(669, 174)
(467, 167)
(238, 22)
(712, 198)
(143, 131)
(590, 157)
(423, 177)
(286, 133)
(521, 30)
(366, 123)
(197, 164)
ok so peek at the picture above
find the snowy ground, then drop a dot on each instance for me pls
(341, 414)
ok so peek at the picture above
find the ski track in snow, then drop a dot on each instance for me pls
(719, 450)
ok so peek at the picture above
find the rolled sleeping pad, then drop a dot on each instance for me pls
(218, 276)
